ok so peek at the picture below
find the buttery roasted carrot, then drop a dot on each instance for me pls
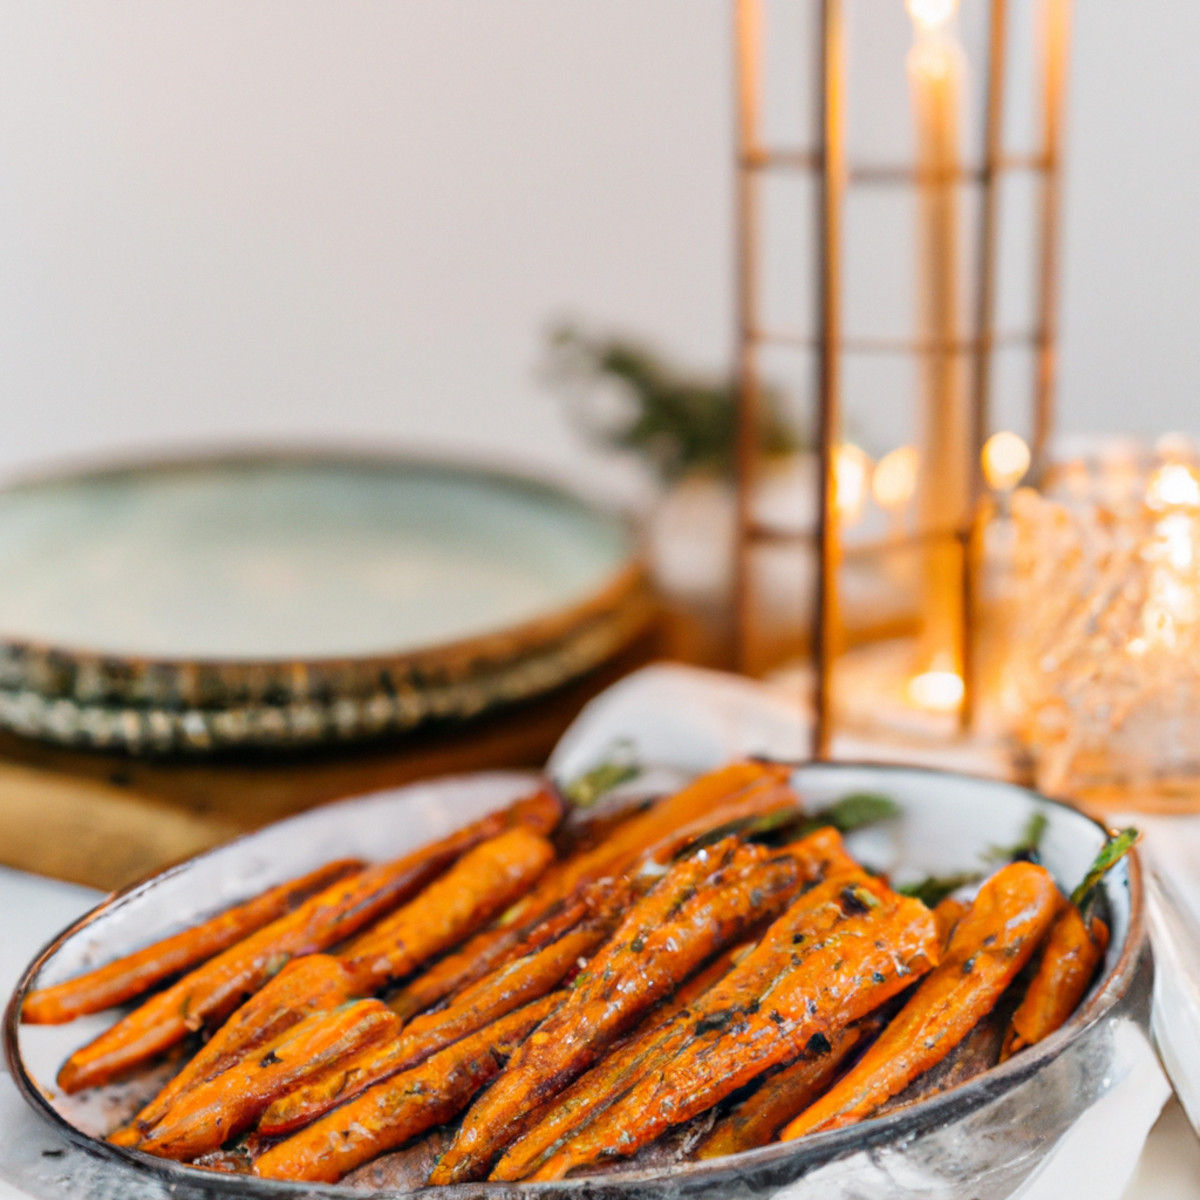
(485, 951)
(212, 991)
(309, 984)
(701, 904)
(556, 1117)
(209, 993)
(848, 961)
(758, 1118)
(705, 796)
(512, 987)
(702, 804)
(820, 855)
(1012, 911)
(122, 980)
(976, 1053)
(764, 799)
(223, 1107)
(1072, 952)
(947, 913)
(391, 1112)
(484, 882)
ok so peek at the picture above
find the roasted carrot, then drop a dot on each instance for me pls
(947, 913)
(767, 799)
(510, 988)
(1073, 950)
(209, 993)
(127, 977)
(223, 1107)
(485, 951)
(390, 1113)
(702, 804)
(820, 855)
(553, 1121)
(854, 954)
(482, 881)
(976, 1053)
(816, 856)
(485, 881)
(991, 944)
(758, 1118)
(709, 795)
(700, 905)
(309, 984)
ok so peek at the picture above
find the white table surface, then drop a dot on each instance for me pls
(33, 909)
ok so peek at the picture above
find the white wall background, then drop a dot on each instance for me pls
(231, 219)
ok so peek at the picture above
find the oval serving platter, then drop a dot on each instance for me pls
(988, 1136)
(288, 599)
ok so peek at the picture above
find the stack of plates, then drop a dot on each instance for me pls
(287, 600)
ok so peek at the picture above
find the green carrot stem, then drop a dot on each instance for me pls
(1114, 849)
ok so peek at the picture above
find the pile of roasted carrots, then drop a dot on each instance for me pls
(712, 971)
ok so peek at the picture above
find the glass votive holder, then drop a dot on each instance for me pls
(1102, 664)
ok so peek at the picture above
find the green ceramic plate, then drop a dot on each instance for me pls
(296, 599)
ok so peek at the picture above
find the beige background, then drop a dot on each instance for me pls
(296, 218)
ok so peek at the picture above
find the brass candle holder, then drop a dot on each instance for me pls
(956, 175)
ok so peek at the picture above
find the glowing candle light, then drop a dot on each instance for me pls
(936, 69)
(937, 691)
(1173, 485)
(894, 482)
(1005, 460)
(851, 478)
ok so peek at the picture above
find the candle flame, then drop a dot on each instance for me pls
(1175, 535)
(1173, 485)
(937, 691)
(1005, 460)
(1172, 604)
(931, 14)
(851, 478)
(894, 482)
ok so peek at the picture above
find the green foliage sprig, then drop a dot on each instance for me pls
(678, 424)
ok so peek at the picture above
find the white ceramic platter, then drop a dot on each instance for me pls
(984, 1139)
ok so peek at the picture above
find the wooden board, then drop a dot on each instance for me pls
(106, 819)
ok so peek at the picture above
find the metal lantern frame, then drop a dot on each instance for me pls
(827, 161)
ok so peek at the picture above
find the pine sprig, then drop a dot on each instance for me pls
(679, 424)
